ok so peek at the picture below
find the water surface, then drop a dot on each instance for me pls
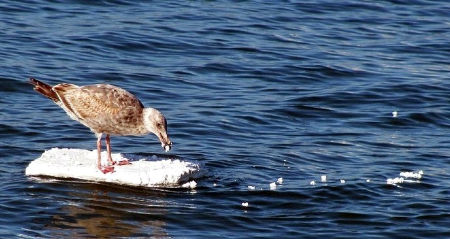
(254, 90)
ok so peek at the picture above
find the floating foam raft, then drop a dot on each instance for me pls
(144, 172)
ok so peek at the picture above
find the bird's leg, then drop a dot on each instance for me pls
(106, 169)
(108, 149)
(99, 151)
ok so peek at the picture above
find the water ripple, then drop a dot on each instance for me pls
(256, 92)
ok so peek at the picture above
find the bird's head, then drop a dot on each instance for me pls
(156, 123)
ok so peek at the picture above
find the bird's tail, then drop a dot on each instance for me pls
(44, 89)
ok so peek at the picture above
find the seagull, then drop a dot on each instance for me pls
(106, 109)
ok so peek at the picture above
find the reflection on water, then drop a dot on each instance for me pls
(104, 212)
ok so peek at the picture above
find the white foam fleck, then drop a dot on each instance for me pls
(251, 187)
(280, 180)
(367, 180)
(192, 184)
(417, 175)
(323, 178)
(312, 183)
(404, 178)
(395, 180)
(273, 186)
(342, 180)
(395, 114)
(244, 204)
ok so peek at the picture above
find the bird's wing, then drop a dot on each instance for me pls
(98, 103)
(64, 91)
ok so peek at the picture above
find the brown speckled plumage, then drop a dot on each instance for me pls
(103, 108)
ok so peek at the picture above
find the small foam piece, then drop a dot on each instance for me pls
(395, 180)
(395, 114)
(342, 180)
(323, 178)
(251, 187)
(244, 204)
(82, 164)
(273, 186)
(192, 184)
(417, 175)
(280, 180)
(404, 177)
(312, 183)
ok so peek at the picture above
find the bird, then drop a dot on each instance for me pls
(106, 109)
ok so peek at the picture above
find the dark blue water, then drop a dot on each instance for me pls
(255, 91)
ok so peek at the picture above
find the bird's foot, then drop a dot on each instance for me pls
(107, 169)
(122, 162)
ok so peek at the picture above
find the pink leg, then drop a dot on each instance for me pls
(106, 169)
(108, 149)
(99, 151)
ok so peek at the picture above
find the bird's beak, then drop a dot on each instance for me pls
(165, 142)
(167, 147)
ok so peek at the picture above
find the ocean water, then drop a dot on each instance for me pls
(255, 91)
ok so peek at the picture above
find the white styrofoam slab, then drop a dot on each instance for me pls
(82, 164)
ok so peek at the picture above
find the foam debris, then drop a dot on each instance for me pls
(323, 178)
(395, 180)
(273, 186)
(192, 184)
(280, 180)
(404, 178)
(144, 172)
(244, 204)
(417, 175)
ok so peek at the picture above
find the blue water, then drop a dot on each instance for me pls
(254, 90)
